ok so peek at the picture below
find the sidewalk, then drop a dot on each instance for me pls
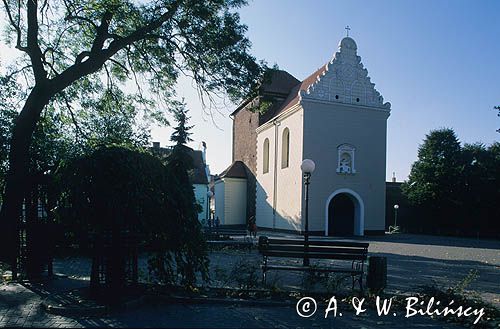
(20, 307)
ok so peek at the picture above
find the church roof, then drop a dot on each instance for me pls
(235, 170)
(293, 97)
(279, 84)
(341, 80)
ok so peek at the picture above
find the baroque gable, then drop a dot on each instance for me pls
(345, 80)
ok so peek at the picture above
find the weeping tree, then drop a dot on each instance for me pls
(75, 50)
(115, 196)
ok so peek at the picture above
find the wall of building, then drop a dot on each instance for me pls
(219, 195)
(326, 126)
(287, 199)
(235, 196)
(200, 193)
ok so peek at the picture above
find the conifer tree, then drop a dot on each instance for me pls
(188, 243)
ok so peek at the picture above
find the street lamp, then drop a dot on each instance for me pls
(395, 228)
(307, 168)
(210, 194)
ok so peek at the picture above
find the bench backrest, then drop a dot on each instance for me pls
(321, 249)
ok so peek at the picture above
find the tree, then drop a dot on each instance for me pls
(190, 250)
(115, 197)
(454, 188)
(7, 116)
(110, 120)
(434, 180)
(73, 50)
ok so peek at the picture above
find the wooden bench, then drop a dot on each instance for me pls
(355, 252)
(221, 236)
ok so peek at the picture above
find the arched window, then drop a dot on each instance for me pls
(285, 148)
(265, 164)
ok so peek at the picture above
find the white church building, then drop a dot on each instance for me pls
(335, 117)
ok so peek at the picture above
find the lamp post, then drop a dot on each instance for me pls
(210, 194)
(395, 228)
(307, 168)
(396, 207)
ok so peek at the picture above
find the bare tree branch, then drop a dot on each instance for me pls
(33, 48)
(16, 26)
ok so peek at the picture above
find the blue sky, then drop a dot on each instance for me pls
(437, 62)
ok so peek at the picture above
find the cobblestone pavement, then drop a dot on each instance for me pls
(20, 307)
(412, 260)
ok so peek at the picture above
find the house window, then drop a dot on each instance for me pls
(285, 148)
(345, 164)
(265, 164)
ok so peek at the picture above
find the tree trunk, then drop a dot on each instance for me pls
(17, 176)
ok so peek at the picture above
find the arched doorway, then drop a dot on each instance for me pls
(344, 213)
(341, 215)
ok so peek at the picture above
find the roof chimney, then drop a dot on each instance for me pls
(156, 145)
(393, 177)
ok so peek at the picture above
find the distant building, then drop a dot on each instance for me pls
(200, 175)
(335, 117)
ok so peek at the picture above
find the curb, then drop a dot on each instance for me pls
(90, 311)
(102, 310)
(232, 301)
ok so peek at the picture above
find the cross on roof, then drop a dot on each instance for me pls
(347, 29)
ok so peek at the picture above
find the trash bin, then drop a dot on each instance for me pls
(376, 279)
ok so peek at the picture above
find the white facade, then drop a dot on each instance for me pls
(340, 122)
(230, 201)
(280, 188)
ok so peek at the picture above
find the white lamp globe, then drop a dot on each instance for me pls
(307, 166)
(396, 206)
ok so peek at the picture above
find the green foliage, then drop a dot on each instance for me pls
(435, 174)
(454, 188)
(8, 91)
(111, 120)
(113, 187)
(181, 133)
(102, 45)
